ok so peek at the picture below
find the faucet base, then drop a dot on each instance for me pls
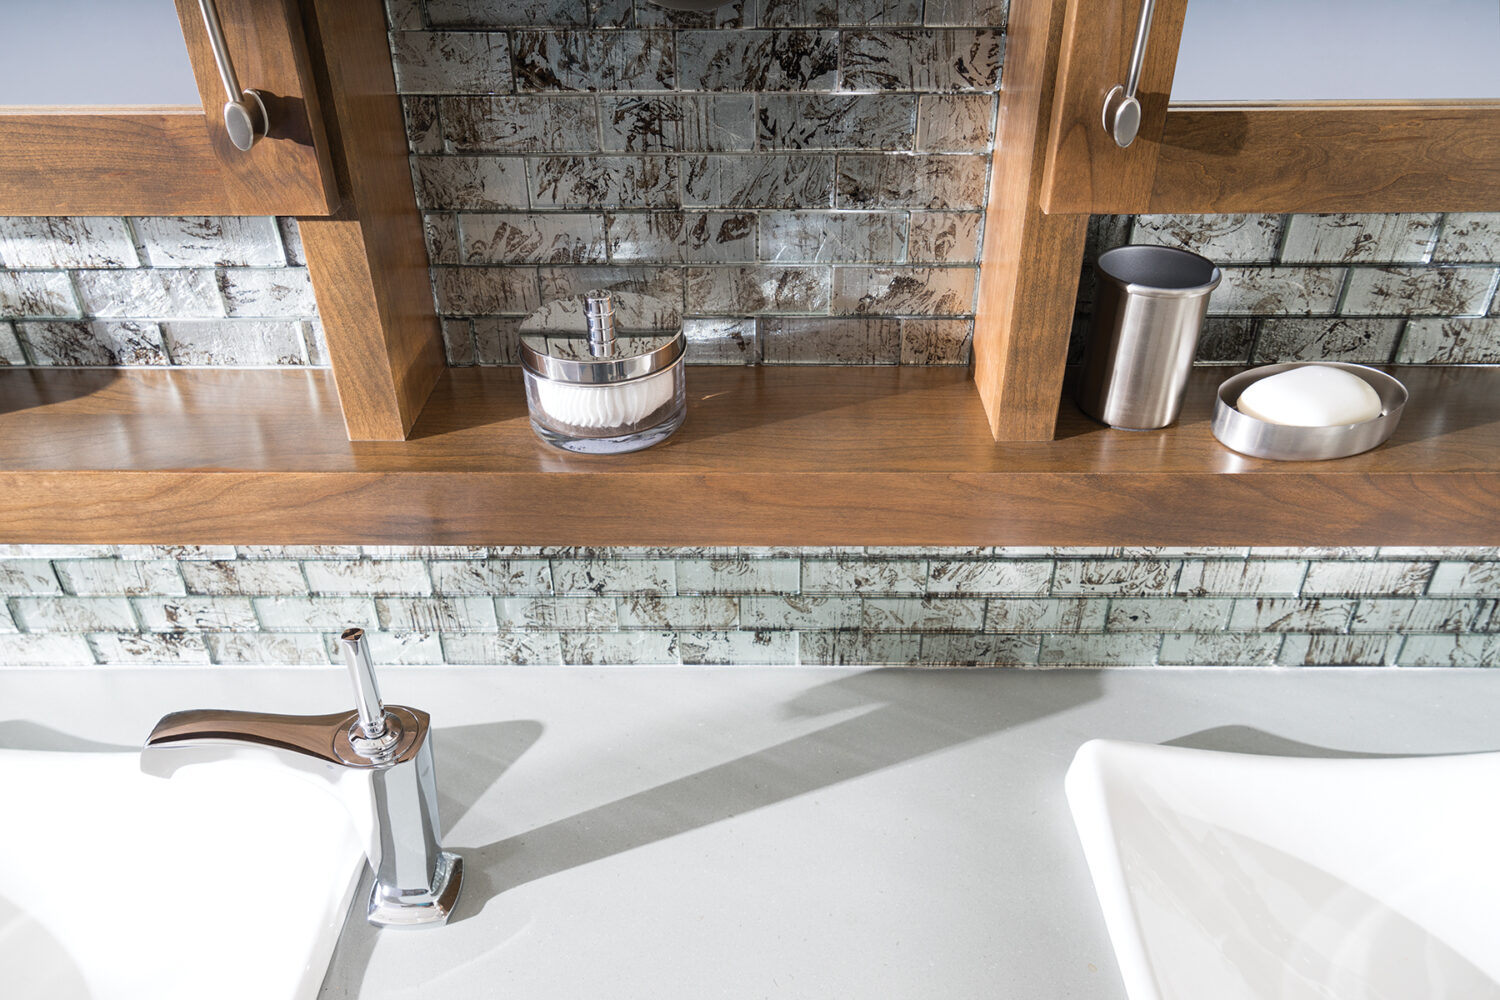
(421, 908)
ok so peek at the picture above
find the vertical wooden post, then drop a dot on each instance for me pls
(369, 261)
(1028, 278)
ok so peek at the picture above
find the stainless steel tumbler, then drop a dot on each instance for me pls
(1147, 316)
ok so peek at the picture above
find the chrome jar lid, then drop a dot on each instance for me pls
(601, 338)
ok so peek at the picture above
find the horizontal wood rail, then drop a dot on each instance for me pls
(785, 456)
(1377, 156)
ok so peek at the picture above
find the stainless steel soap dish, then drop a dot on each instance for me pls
(1251, 436)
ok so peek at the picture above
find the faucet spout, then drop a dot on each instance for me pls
(385, 749)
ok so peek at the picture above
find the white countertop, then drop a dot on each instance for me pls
(792, 833)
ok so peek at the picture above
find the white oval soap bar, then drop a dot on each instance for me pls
(1310, 396)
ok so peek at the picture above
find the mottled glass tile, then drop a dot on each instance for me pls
(195, 614)
(267, 292)
(66, 241)
(1367, 341)
(734, 14)
(1168, 614)
(989, 576)
(955, 123)
(904, 291)
(28, 576)
(481, 14)
(11, 352)
(616, 648)
(1277, 291)
(765, 181)
(1090, 650)
(827, 121)
(1392, 578)
(922, 614)
(243, 577)
(1042, 614)
(796, 60)
(531, 238)
(757, 289)
(718, 341)
(36, 294)
(666, 612)
(596, 182)
(1469, 238)
(1472, 650)
(936, 341)
(519, 124)
(738, 574)
(441, 234)
(150, 293)
(681, 237)
(1414, 615)
(799, 13)
(73, 614)
(169, 648)
(1450, 342)
(1418, 291)
(751, 649)
(1338, 650)
(557, 613)
(1223, 239)
(470, 182)
(260, 648)
(943, 237)
(864, 576)
(436, 614)
(820, 237)
(212, 241)
(820, 341)
(1359, 239)
(123, 342)
(451, 62)
(234, 342)
(800, 611)
(966, 13)
(502, 648)
(678, 123)
(932, 182)
(957, 649)
(1275, 614)
(1230, 649)
(1226, 340)
(470, 291)
(1115, 576)
(424, 132)
(593, 60)
(125, 577)
(924, 61)
(662, 285)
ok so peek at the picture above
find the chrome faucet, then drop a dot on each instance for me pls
(416, 881)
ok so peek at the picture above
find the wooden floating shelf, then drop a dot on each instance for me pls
(768, 456)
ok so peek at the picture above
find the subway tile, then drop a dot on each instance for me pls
(1476, 553)
(624, 577)
(211, 241)
(1264, 577)
(1412, 615)
(943, 237)
(1099, 650)
(799, 181)
(403, 15)
(440, 232)
(1384, 578)
(789, 60)
(519, 124)
(966, 13)
(1418, 291)
(1359, 239)
(660, 612)
(1230, 649)
(22, 650)
(557, 613)
(451, 62)
(757, 649)
(827, 121)
(936, 341)
(150, 293)
(1115, 576)
(872, 649)
(419, 648)
(678, 123)
(566, 238)
(660, 289)
(483, 14)
(301, 614)
(295, 552)
(478, 290)
(1055, 614)
(1271, 614)
(424, 129)
(36, 294)
(436, 614)
(266, 292)
(681, 237)
(235, 342)
(470, 182)
(1367, 341)
(921, 291)
(1168, 614)
(458, 342)
(1338, 650)
(1450, 342)
(800, 611)
(429, 552)
(497, 340)
(955, 123)
(989, 576)
(66, 241)
(721, 341)
(758, 289)
(1226, 340)
(1223, 239)
(100, 342)
(594, 60)
(1471, 650)
(11, 352)
(738, 576)
(618, 648)
(1457, 577)
(830, 341)
(596, 182)
(958, 649)
(922, 614)
(1469, 237)
(181, 553)
(264, 648)
(864, 576)
(951, 182)
(508, 648)
(7, 622)
(195, 614)
(149, 649)
(73, 614)
(27, 577)
(291, 241)
(823, 237)
(941, 60)
(500, 577)
(103, 577)
(1277, 291)
(735, 14)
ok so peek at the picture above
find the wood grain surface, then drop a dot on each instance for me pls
(1086, 171)
(787, 456)
(1329, 157)
(1028, 274)
(369, 262)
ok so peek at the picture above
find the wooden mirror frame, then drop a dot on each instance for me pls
(335, 157)
(1054, 164)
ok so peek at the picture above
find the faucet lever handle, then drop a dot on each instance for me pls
(373, 724)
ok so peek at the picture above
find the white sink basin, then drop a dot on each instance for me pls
(1237, 877)
(228, 879)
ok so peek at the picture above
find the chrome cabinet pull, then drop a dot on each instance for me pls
(1122, 112)
(244, 112)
